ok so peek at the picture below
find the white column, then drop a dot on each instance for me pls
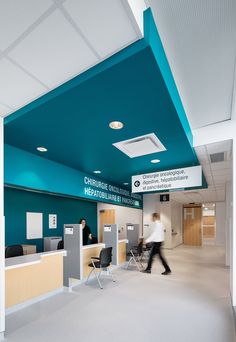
(233, 265)
(2, 238)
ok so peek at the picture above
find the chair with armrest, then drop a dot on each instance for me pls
(135, 255)
(60, 244)
(101, 263)
(13, 251)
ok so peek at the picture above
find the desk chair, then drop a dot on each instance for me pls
(13, 251)
(102, 263)
(146, 250)
(60, 244)
(135, 255)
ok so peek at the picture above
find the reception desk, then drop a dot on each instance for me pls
(34, 275)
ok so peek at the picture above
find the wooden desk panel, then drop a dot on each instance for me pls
(31, 281)
(121, 252)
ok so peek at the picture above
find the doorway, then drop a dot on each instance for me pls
(107, 216)
(193, 225)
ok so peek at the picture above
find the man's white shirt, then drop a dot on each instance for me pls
(158, 234)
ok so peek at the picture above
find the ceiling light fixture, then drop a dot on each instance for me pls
(97, 171)
(154, 161)
(116, 125)
(126, 183)
(42, 149)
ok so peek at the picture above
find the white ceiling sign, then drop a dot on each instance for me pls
(167, 180)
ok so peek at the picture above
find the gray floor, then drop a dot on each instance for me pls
(191, 305)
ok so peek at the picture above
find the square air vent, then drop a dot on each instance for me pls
(140, 146)
(217, 157)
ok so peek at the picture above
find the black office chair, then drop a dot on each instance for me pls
(135, 254)
(146, 250)
(103, 262)
(60, 244)
(13, 251)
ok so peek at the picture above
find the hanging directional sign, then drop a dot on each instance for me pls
(187, 177)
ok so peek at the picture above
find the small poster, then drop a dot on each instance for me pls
(69, 231)
(52, 218)
(107, 228)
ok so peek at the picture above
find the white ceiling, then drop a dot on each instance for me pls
(45, 43)
(217, 175)
(199, 38)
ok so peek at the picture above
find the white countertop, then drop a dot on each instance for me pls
(94, 245)
(30, 259)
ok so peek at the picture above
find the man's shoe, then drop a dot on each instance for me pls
(166, 272)
(146, 271)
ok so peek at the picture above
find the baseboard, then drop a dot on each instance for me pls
(27, 303)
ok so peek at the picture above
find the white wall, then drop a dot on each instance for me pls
(2, 239)
(177, 223)
(220, 213)
(165, 211)
(151, 204)
(228, 223)
(123, 215)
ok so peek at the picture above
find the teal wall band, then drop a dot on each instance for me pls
(26, 170)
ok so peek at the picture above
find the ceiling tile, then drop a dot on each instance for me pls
(222, 146)
(200, 150)
(222, 172)
(204, 84)
(221, 165)
(4, 110)
(55, 51)
(17, 16)
(203, 160)
(105, 23)
(23, 88)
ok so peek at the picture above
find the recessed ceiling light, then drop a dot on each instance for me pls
(42, 149)
(154, 161)
(116, 125)
(97, 171)
(126, 183)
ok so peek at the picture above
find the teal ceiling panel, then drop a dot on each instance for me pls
(136, 87)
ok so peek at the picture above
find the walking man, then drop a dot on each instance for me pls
(157, 238)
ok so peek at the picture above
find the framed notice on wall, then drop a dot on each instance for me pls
(34, 225)
(52, 221)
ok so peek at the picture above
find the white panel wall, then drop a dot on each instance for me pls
(220, 224)
(2, 239)
(151, 204)
(123, 215)
(177, 223)
(228, 223)
(165, 211)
